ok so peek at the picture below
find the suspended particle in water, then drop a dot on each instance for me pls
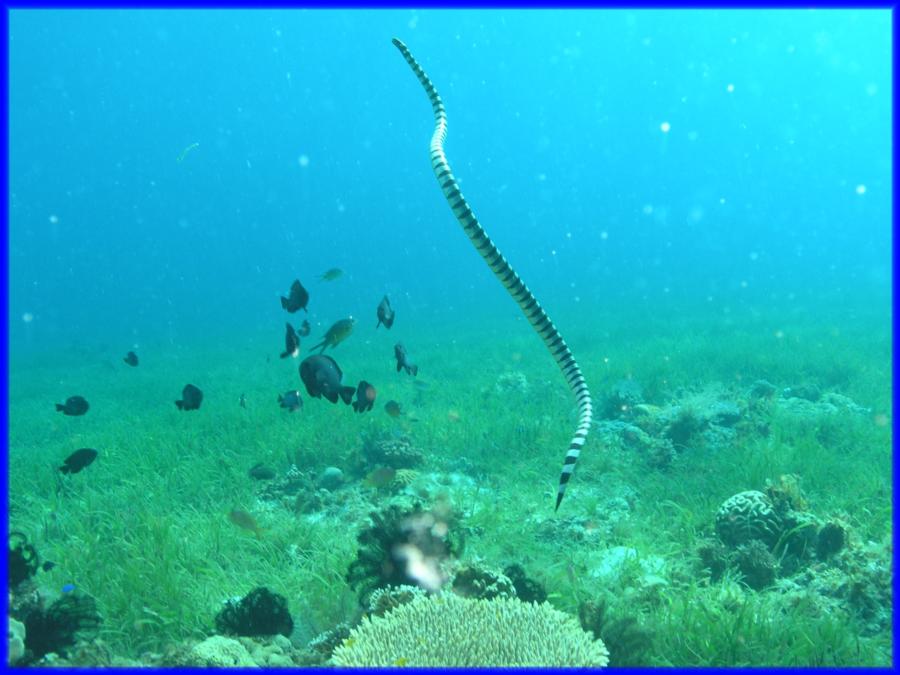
(303, 161)
(188, 149)
(665, 127)
(860, 189)
(28, 317)
(730, 88)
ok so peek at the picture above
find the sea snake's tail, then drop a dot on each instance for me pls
(505, 273)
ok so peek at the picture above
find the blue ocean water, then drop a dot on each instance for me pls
(649, 161)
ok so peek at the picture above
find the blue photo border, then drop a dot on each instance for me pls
(426, 4)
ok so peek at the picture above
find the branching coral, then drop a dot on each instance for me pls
(451, 631)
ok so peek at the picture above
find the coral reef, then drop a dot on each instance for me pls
(807, 392)
(626, 640)
(621, 399)
(715, 557)
(219, 652)
(383, 600)
(527, 589)
(393, 452)
(762, 389)
(479, 582)
(659, 452)
(605, 511)
(785, 493)
(756, 564)
(746, 516)
(511, 383)
(451, 631)
(681, 424)
(402, 547)
(331, 478)
(272, 652)
(832, 538)
(403, 479)
(855, 581)
(325, 643)
(288, 489)
(15, 641)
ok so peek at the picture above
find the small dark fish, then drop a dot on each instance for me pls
(297, 298)
(78, 460)
(365, 397)
(291, 342)
(290, 400)
(261, 472)
(336, 334)
(245, 521)
(403, 360)
(131, 359)
(242, 401)
(322, 377)
(380, 477)
(332, 274)
(74, 406)
(385, 313)
(47, 566)
(305, 329)
(191, 398)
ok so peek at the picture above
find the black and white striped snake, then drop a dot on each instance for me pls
(506, 274)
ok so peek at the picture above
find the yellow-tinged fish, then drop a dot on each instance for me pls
(336, 334)
(245, 521)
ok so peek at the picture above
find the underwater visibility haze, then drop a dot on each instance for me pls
(269, 404)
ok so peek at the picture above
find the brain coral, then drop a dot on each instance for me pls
(747, 516)
(447, 630)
